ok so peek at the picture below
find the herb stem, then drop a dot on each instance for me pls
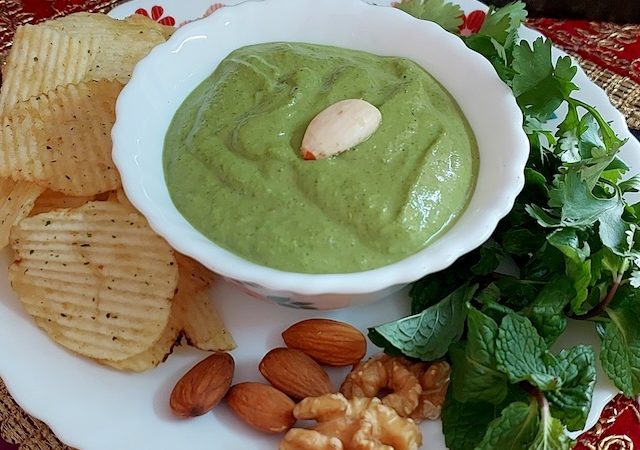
(536, 393)
(605, 129)
(496, 276)
(600, 307)
(594, 112)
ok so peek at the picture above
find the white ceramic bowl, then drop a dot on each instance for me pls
(161, 81)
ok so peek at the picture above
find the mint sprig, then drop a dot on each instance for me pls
(531, 394)
(573, 247)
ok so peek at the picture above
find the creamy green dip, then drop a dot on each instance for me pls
(233, 166)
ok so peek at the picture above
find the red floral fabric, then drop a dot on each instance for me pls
(612, 46)
(617, 429)
(157, 14)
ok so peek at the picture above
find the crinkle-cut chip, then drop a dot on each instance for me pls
(198, 276)
(119, 196)
(96, 278)
(121, 43)
(193, 304)
(202, 325)
(155, 354)
(50, 200)
(75, 48)
(62, 140)
(192, 314)
(138, 19)
(16, 201)
(42, 59)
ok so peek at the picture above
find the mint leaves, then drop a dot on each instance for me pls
(620, 354)
(515, 429)
(506, 371)
(426, 335)
(475, 376)
(572, 246)
(521, 353)
(567, 379)
(570, 401)
(550, 434)
(465, 424)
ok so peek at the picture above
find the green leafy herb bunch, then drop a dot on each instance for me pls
(568, 250)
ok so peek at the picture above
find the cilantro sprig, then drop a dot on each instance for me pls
(572, 241)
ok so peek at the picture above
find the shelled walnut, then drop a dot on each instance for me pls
(358, 424)
(417, 389)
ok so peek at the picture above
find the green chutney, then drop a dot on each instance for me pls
(233, 167)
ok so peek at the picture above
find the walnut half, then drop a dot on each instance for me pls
(362, 423)
(417, 389)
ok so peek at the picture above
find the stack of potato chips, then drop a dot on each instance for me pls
(87, 266)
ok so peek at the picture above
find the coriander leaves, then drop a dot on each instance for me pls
(497, 36)
(539, 86)
(447, 15)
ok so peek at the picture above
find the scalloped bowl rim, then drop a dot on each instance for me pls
(172, 70)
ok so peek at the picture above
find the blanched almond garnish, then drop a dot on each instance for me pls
(340, 127)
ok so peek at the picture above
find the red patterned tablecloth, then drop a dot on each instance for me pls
(611, 55)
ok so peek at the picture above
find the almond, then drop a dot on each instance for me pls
(262, 406)
(295, 373)
(202, 388)
(340, 127)
(329, 342)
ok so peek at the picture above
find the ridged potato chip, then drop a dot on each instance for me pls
(197, 275)
(97, 279)
(42, 59)
(16, 201)
(154, 355)
(192, 314)
(62, 140)
(50, 200)
(194, 305)
(75, 48)
(120, 43)
(119, 196)
(202, 325)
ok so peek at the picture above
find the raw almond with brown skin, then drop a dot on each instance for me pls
(202, 388)
(295, 373)
(329, 342)
(262, 406)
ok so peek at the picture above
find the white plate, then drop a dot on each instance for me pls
(94, 408)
